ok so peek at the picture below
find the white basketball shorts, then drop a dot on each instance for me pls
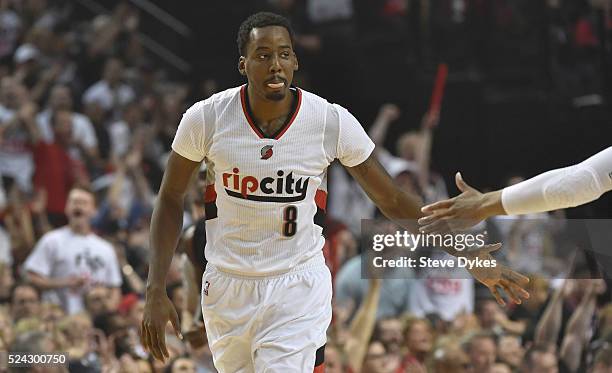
(268, 323)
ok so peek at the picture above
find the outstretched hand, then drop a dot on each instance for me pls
(499, 276)
(457, 213)
(157, 312)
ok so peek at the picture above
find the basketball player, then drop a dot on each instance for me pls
(557, 189)
(266, 294)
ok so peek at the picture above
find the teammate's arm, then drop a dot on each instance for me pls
(166, 226)
(552, 190)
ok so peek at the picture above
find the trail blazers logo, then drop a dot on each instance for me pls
(282, 189)
(266, 152)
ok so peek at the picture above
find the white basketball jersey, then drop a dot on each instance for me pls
(266, 195)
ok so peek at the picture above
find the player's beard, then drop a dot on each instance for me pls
(276, 96)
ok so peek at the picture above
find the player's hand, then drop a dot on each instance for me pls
(455, 214)
(500, 276)
(157, 312)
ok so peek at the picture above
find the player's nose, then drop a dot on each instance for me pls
(275, 65)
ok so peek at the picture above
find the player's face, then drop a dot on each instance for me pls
(269, 62)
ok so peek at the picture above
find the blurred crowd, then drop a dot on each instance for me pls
(87, 117)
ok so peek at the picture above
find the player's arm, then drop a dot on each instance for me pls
(166, 224)
(552, 190)
(391, 200)
(167, 219)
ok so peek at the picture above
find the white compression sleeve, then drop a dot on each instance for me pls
(561, 188)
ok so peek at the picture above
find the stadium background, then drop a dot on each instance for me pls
(528, 88)
(515, 68)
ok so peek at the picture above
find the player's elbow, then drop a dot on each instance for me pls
(169, 199)
(574, 187)
(393, 206)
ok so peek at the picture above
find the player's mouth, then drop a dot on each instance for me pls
(275, 83)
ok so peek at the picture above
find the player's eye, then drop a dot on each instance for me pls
(262, 56)
(285, 55)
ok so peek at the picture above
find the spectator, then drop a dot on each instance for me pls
(10, 29)
(486, 311)
(69, 260)
(482, 351)
(121, 132)
(110, 93)
(450, 358)
(603, 360)
(181, 365)
(541, 360)
(96, 301)
(379, 360)
(388, 330)
(83, 133)
(56, 171)
(34, 342)
(25, 302)
(395, 294)
(445, 293)
(510, 351)
(334, 362)
(501, 368)
(418, 339)
(6, 259)
(16, 112)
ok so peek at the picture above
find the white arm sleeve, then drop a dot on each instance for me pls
(189, 139)
(561, 188)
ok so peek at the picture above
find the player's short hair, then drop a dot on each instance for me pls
(257, 20)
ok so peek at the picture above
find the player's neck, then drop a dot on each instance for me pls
(266, 111)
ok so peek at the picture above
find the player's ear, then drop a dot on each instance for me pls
(296, 65)
(242, 65)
